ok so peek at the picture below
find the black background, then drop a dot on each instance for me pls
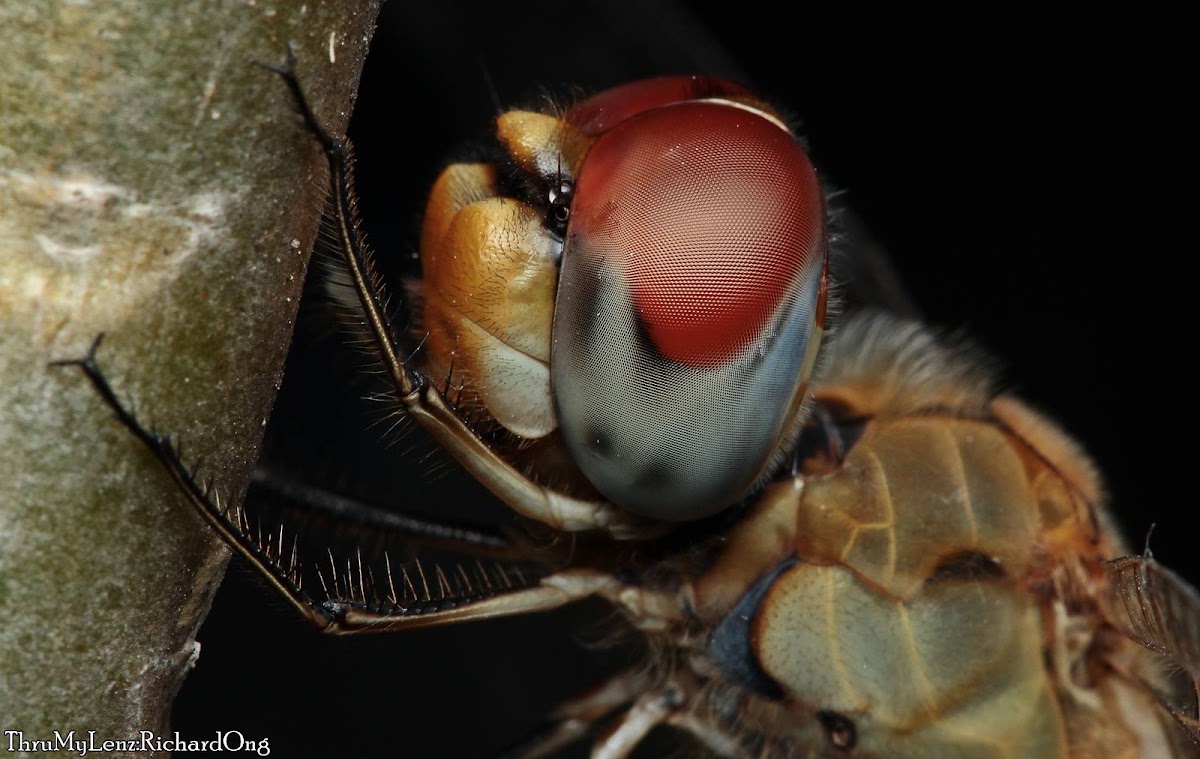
(1026, 184)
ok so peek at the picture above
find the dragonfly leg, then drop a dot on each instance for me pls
(353, 592)
(573, 720)
(652, 706)
(648, 610)
(227, 519)
(709, 735)
(673, 704)
(648, 712)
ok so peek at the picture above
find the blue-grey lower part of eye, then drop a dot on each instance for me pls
(657, 437)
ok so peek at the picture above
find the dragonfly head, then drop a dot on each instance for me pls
(691, 295)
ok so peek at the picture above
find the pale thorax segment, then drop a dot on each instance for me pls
(957, 671)
(937, 567)
(955, 663)
(918, 492)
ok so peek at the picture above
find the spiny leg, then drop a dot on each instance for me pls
(352, 597)
(356, 254)
(228, 521)
(308, 501)
(419, 397)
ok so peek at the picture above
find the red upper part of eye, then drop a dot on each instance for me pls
(605, 110)
(712, 212)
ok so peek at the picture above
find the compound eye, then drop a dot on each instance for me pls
(692, 284)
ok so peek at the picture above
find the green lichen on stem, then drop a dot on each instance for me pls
(154, 186)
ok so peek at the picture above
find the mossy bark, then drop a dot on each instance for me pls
(154, 186)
